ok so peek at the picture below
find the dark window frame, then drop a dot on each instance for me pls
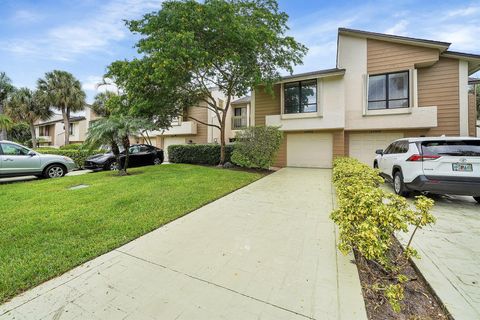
(300, 108)
(387, 98)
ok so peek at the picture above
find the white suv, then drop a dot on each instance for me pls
(444, 165)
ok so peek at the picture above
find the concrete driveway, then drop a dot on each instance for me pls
(450, 252)
(267, 251)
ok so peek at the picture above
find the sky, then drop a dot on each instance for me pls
(84, 37)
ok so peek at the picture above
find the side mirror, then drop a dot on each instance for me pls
(31, 153)
(379, 151)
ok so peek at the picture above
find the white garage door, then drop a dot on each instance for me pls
(310, 150)
(363, 145)
(168, 141)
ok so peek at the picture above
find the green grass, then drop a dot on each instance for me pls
(46, 229)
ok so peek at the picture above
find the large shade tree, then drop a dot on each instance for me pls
(189, 47)
(61, 90)
(24, 105)
(6, 88)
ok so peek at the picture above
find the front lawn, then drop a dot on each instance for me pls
(47, 229)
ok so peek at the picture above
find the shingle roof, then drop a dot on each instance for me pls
(314, 73)
(245, 99)
(72, 119)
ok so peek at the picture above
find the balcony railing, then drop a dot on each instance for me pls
(239, 122)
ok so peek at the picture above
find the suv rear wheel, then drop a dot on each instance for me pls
(477, 199)
(398, 184)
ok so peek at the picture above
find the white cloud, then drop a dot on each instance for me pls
(96, 33)
(94, 85)
(464, 11)
(26, 17)
(400, 28)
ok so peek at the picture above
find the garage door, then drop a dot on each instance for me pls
(363, 145)
(309, 150)
(168, 141)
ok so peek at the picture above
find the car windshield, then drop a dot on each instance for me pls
(452, 148)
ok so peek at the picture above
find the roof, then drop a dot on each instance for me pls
(72, 119)
(395, 38)
(325, 72)
(245, 99)
(473, 80)
(472, 59)
(417, 139)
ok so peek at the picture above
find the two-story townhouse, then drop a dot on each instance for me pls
(191, 128)
(384, 87)
(51, 132)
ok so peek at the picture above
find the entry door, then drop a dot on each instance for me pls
(310, 150)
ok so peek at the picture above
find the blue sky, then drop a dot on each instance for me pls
(83, 37)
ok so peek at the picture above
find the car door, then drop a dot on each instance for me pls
(382, 160)
(17, 160)
(145, 155)
(389, 157)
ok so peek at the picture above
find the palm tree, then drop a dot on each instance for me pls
(61, 90)
(115, 130)
(5, 123)
(102, 103)
(25, 105)
(5, 89)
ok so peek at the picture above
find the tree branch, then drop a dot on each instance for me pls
(204, 123)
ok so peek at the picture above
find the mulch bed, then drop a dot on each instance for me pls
(419, 303)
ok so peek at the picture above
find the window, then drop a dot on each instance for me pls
(300, 96)
(13, 150)
(71, 128)
(388, 91)
(239, 119)
(44, 131)
(397, 147)
(459, 148)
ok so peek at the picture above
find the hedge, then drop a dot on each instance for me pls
(79, 156)
(198, 153)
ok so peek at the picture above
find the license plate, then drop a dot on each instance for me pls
(466, 167)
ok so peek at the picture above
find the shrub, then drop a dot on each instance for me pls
(79, 156)
(368, 217)
(72, 146)
(198, 153)
(257, 147)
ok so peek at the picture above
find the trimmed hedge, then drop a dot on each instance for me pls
(72, 146)
(198, 153)
(79, 156)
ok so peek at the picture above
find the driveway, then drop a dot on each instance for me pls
(450, 251)
(267, 251)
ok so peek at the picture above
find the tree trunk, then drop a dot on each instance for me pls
(126, 145)
(116, 152)
(34, 136)
(66, 124)
(3, 131)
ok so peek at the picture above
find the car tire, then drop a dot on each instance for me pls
(157, 160)
(477, 199)
(398, 184)
(55, 171)
(111, 166)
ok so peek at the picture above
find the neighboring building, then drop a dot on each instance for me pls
(384, 87)
(186, 130)
(51, 132)
(472, 101)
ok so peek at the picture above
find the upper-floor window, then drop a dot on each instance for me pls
(388, 91)
(300, 96)
(72, 129)
(44, 130)
(239, 119)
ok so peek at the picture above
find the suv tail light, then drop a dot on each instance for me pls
(417, 157)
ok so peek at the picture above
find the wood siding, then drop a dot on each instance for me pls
(266, 104)
(385, 56)
(281, 160)
(202, 130)
(338, 144)
(472, 115)
(438, 85)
